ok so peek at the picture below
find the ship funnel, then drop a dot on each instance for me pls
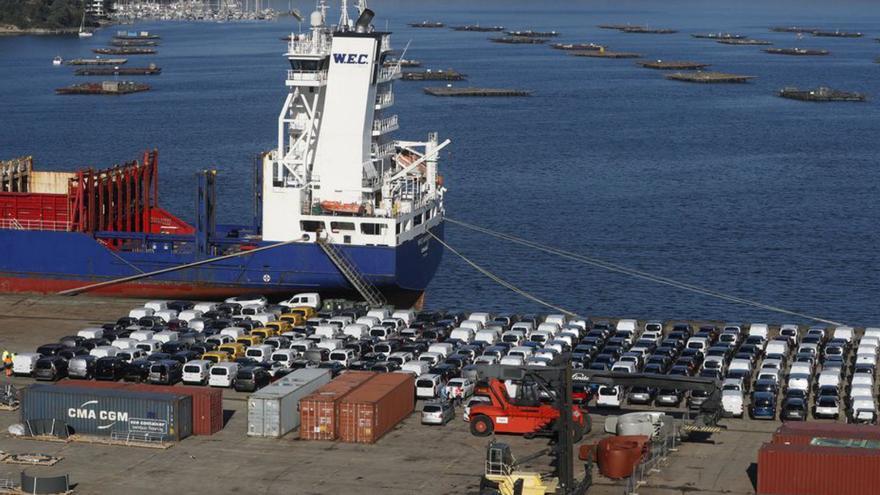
(364, 20)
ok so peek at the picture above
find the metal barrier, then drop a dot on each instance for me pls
(129, 437)
(653, 460)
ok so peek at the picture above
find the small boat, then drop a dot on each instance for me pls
(83, 33)
(57, 60)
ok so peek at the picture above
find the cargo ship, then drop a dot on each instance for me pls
(342, 206)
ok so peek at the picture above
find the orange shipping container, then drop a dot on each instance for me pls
(803, 433)
(319, 411)
(811, 470)
(375, 407)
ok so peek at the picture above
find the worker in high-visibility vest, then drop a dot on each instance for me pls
(7, 363)
(4, 356)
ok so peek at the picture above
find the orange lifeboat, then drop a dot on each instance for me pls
(342, 208)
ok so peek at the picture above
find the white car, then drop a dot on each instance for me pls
(23, 363)
(460, 388)
(732, 402)
(223, 375)
(799, 382)
(512, 360)
(476, 399)
(428, 386)
(197, 372)
(610, 396)
(248, 300)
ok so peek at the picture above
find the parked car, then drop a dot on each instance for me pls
(50, 368)
(794, 409)
(763, 405)
(640, 395)
(827, 406)
(197, 372)
(137, 371)
(668, 397)
(437, 413)
(251, 379)
(166, 372)
(223, 374)
(82, 367)
(109, 368)
(460, 388)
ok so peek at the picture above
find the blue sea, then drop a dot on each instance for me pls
(727, 187)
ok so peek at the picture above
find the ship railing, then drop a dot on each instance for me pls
(307, 76)
(379, 151)
(389, 73)
(384, 99)
(308, 47)
(387, 124)
(17, 224)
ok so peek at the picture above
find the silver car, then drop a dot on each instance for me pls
(82, 367)
(437, 413)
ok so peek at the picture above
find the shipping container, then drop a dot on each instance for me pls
(207, 403)
(812, 470)
(320, 410)
(802, 433)
(273, 411)
(377, 406)
(108, 411)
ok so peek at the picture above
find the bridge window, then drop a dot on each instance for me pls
(373, 228)
(417, 220)
(311, 225)
(335, 226)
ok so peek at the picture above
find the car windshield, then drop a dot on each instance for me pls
(607, 391)
(826, 402)
(157, 368)
(425, 384)
(192, 369)
(763, 402)
(432, 408)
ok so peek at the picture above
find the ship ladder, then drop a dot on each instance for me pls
(367, 290)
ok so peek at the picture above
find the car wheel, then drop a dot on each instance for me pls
(481, 426)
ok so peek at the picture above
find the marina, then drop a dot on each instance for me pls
(97, 61)
(605, 54)
(709, 77)
(821, 94)
(747, 41)
(795, 51)
(104, 88)
(672, 65)
(478, 29)
(481, 92)
(433, 75)
(151, 70)
(129, 50)
(519, 40)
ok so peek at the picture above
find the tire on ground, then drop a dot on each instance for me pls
(481, 426)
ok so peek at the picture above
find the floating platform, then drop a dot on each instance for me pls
(488, 92)
(402, 62)
(672, 65)
(135, 35)
(151, 70)
(134, 42)
(97, 61)
(476, 28)
(747, 41)
(533, 34)
(719, 36)
(795, 51)
(708, 77)
(104, 88)
(577, 46)
(427, 24)
(618, 27)
(820, 94)
(433, 75)
(518, 40)
(125, 50)
(793, 29)
(837, 34)
(605, 54)
(647, 30)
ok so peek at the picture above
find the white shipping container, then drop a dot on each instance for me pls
(273, 411)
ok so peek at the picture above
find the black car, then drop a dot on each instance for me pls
(335, 367)
(72, 352)
(180, 305)
(185, 356)
(158, 356)
(173, 346)
(137, 371)
(109, 368)
(251, 379)
(794, 409)
(166, 372)
(72, 340)
(385, 366)
(203, 347)
(49, 350)
(50, 368)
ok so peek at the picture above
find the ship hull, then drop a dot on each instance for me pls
(47, 262)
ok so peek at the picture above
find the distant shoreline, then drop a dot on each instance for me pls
(8, 30)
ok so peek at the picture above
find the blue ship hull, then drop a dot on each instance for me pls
(46, 262)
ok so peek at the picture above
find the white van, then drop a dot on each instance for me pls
(432, 358)
(264, 318)
(407, 315)
(415, 367)
(329, 344)
(302, 345)
(551, 328)
(306, 299)
(799, 381)
(91, 333)
(760, 329)
(104, 351)
(326, 331)
(259, 352)
(369, 321)
(627, 326)
(189, 315)
(844, 332)
(149, 346)
(698, 343)
(428, 386)
(490, 337)
(197, 372)
(777, 347)
(513, 337)
(166, 314)
(472, 325)
(443, 348)
(556, 319)
(541, 336)
(140, 313)
(23, 363)
(524, 352)
(512, 360)
(223, 374)
(126, 343)
(380, 313)
(284, 357)
(141, 335)
(830, 377)
(342, 356)
(234, 332)
(483, 318)
(463, 334)
(156, 305)
(525, 326)
(205, 307)
(166, 336)
(609, 396)
(356, 331)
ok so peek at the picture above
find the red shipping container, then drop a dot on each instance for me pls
(811, 470)
(803, 433)
(375, 407)
(319, 410)
(207, 403)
